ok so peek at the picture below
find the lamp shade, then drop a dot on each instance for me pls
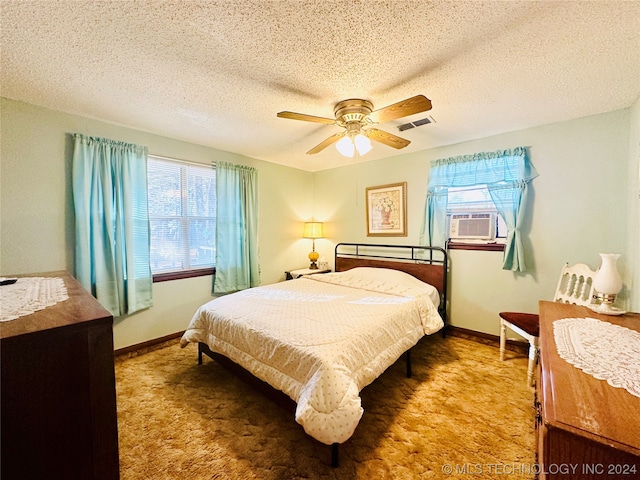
(348, 145)
(345, 146)
(362, 143)
(313, 230)
(607, 279)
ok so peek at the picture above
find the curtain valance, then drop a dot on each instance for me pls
(487, 168)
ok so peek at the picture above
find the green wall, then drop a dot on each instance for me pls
(585, 201)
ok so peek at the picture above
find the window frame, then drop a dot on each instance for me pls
(496, 245)
(193, 272)
(178, 275)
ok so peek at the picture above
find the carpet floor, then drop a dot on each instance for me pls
(463, 414)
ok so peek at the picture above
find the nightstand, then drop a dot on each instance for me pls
(291, 274)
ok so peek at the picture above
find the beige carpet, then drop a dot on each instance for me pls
(463, 414)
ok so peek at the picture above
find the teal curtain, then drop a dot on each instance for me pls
(112, 223)
(506, 173)
(510, 201)
(434, 220)
(236, 228)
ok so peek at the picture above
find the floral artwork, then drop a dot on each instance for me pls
(387, 210)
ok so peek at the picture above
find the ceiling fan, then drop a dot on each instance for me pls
(357, 116)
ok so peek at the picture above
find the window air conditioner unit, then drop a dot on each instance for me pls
(473, 226)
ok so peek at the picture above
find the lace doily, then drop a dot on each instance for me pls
(30, 294)
(603, 350)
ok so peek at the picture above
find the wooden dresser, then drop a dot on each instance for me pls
(58, 391)
(586, 429)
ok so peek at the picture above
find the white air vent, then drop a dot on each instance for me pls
(477, 226)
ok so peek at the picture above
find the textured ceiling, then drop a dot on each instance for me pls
(216, 72)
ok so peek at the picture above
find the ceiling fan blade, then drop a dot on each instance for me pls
(325, 143)
(386, 138)
(407, 107)
(306, 118)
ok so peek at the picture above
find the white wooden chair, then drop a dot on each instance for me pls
(575, 286)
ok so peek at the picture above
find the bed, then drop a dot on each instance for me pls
(320, 339)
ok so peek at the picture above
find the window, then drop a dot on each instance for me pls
(506, 175)
(182, 216)
(473, 206)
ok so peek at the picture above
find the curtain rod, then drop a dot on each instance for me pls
(173, 159)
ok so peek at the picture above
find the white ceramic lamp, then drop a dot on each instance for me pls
(607, 283)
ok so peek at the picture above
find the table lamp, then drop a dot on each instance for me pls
(608, 283)
(313, 230)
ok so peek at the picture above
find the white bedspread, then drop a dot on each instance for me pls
(322, 338)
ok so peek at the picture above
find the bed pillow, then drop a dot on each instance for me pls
(372, 275)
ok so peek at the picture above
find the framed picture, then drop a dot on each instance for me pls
(387, 210)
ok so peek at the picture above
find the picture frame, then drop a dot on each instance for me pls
(387, 210)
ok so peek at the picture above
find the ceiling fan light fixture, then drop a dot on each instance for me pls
(356, 114)
(345, 146)
(362, 143)
(348, 145)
